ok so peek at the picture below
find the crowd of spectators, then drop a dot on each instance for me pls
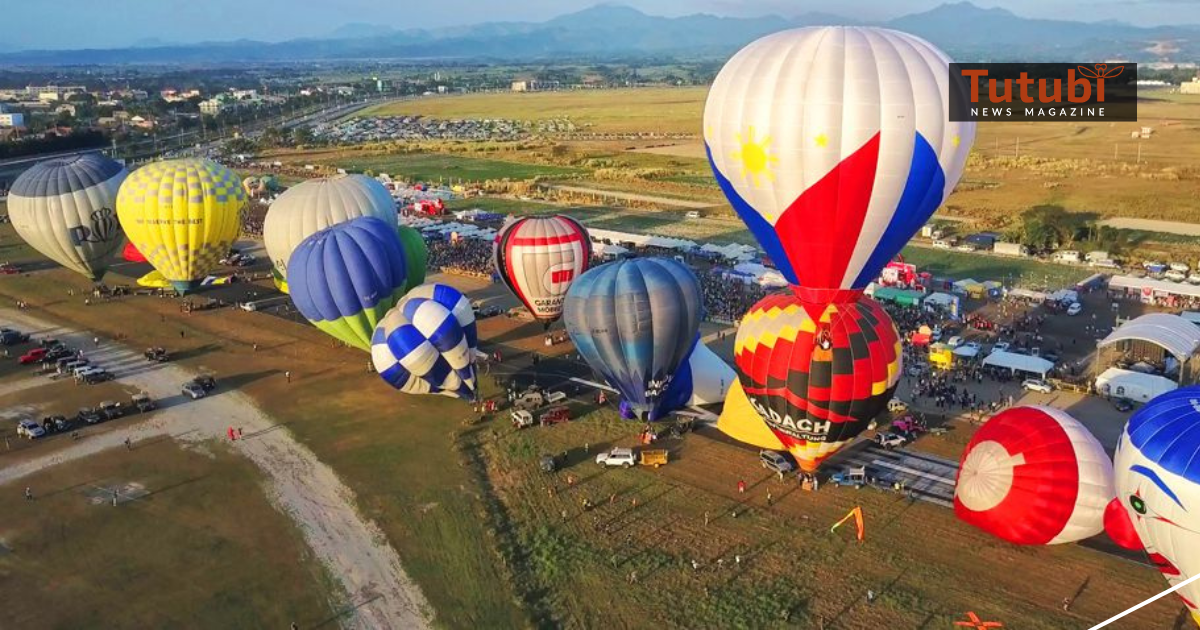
(464, 256)
(726, 300)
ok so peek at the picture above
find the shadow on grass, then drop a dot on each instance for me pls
(344, 613)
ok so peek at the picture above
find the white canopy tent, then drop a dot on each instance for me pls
(1019, 362)
(1152, 286)
(1173, 333)
(1119, 383)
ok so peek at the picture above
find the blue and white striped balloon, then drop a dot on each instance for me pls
(426, 344)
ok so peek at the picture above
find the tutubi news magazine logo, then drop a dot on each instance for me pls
(1030, 92)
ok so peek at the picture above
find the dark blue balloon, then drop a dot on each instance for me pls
(635, 322)
(344, 278)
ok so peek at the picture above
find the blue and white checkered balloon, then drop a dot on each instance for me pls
(426, 344)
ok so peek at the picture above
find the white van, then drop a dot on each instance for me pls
(692, 215)
(554, 398)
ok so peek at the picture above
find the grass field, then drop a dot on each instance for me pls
(201, 548)
(443, 167)
(661, 110)
(1023, 272)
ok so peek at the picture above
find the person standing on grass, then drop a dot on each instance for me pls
(288, 375)
(28, 493)
(741, 487)
(128, 444)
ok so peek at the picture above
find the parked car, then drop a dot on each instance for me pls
(1124, 405)
(852, 476)
(89, 416)
(10, 337)
(55, 424)
(142, 402)
(111, 410)
(206, 381)
(553, 398)
(954, 341)
(531, 399)
(157, 355)
(555, 415)
(33, 356)
(194, 390)
(896, 405)
(622, 457)
(521, 419)
(1001, 346)
(1037, 385)
(890, 440)
(775, 462)
(97, 375)
(30, 429)
(8, 269)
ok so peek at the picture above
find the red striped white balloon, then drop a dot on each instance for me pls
(539, 257)
(1034, 476)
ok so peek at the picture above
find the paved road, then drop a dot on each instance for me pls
(929, 477)
(352, 549)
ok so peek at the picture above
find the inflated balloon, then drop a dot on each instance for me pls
(416, 254)
(316, 204)
(427, 343)
(741, 421)
(343, 279)
(702, 380)
(64, 208)
(634, 321)
(538, 258)
(183, 215)
(833, 144)
(131, 254)
(1119, 526)
(1034, 476)
(818, 384)
(1158, 482)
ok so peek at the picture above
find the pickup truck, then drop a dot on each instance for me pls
(622, 457)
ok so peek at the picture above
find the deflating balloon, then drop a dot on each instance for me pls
(416, 254)
(1158, 482)
(1034, 476)
(702, 380)
(817, 384)
(64, 208)
(634, 321)
(154, 280)
(538, 258)
(740, 421)
(316, 204)
(427, 343)
(183, 215)
(833, 145)
(344, 278)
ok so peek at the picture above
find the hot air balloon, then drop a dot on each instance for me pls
(426, 344)
(740, 421)
(1158, 483)
(316, 204)
(344, 278)
(416, 254)
(538, 258)
(183, 215)
(818, 384)
(64, 208)
(1034, 476)
(833, 145)
(131, 254)
(635, 321)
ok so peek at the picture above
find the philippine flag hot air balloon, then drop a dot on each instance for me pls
(183, 216)
(635, 321)
(316, 204)
(833, 144)
(426, 344)
(343, 279)
(1034, 476)
(817, 384)
(1158, 483)
(538, 258)
(65, 208)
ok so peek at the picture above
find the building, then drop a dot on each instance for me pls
(1190, 87)
(1148, 356)
(65, 108)
(12, 120)
(213, 106)
(534, 85)
(383, 85)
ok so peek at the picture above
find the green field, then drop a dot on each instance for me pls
(1011, 271)
(433, 167)
(201, 548)
(663, 110)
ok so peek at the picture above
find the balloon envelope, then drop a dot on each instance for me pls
(741, 421)
(416, 254)
(702, 380)
(538, 258)
(316, 204)
(634, 321)
(1034, 476)
(833, 145)
(183, 215)
(427, 343)
(344, 278)
(1157, 469)
(817, 391)
(65, 209)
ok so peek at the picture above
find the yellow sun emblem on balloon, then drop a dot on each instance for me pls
(755, 156)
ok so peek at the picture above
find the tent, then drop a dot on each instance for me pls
(1173, 333)
(900, 297)
(945, 301)
(1018, 362)
(1026, 294)
(1118, 383)
(966, 352)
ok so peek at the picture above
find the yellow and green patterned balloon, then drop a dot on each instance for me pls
(183, 215)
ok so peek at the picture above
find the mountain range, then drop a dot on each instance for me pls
(963, 30)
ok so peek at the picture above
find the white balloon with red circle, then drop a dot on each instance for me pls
(1034, 476)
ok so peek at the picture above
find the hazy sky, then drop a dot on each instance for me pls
(112, 23)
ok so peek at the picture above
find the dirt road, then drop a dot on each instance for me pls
(378, 592)
(614, 194)
(1154, 225)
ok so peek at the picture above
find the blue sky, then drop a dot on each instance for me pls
(113, 23)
